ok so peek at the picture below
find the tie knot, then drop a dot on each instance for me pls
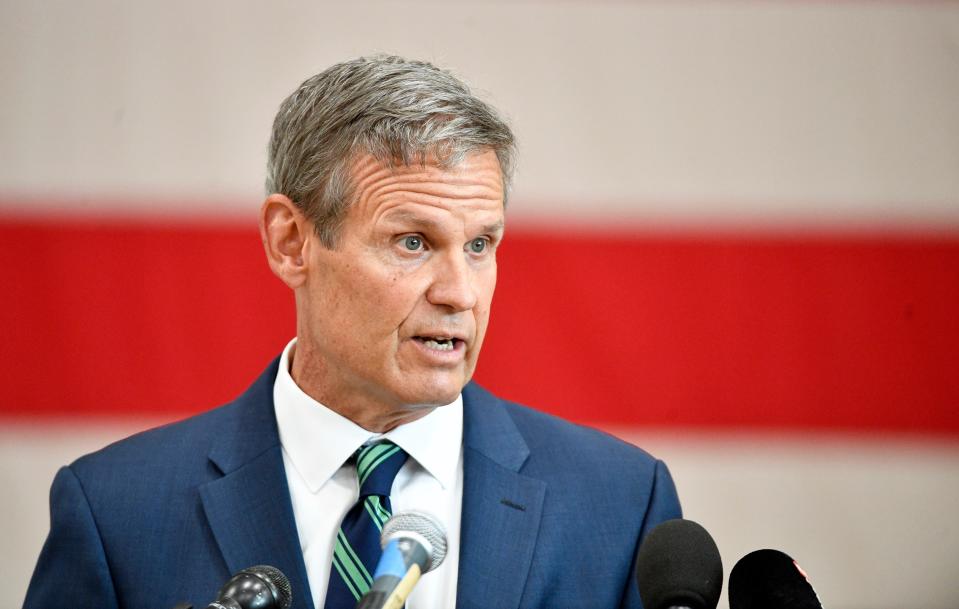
(376, 466)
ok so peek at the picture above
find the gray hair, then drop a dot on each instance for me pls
(397, 110)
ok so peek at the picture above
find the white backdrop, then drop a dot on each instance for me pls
(668, 113)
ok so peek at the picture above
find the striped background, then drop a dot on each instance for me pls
(734, 240)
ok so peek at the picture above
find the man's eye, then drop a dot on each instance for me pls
(478, 246)
(412, 243)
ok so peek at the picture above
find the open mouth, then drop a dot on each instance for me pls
(439, 343)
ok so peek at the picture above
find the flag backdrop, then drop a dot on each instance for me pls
(733, 240)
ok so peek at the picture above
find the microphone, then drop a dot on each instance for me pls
(414, 543)
(770, 579)
(259, 587)
(678, 566)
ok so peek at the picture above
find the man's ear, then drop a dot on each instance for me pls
(285, 233)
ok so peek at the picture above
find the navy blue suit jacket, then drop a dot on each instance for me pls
(552, 512)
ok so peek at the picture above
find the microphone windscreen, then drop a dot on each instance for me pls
(257, 587)
(770, 579)
(422, 526)
(678, 565)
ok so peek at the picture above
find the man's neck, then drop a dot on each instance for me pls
(364, 410)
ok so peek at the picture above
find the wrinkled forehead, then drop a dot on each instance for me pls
(456, 162)
(472, 191)
(476, 174)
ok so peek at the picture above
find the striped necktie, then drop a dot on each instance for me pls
(357, 549)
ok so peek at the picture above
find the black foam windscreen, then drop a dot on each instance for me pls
(678, 565)
(770, 579)
(257, 587)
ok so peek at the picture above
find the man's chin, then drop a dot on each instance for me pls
(436, 392)
(433, 400)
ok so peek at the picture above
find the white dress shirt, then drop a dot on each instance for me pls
(317, 443)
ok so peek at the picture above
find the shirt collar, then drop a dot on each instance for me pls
(318, 441)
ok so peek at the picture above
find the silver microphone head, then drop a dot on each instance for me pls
(422, 526)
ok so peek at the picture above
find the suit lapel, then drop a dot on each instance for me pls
(249, 508)
(501, 507)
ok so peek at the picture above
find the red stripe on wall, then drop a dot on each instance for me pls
(819, 331)
(843, 332)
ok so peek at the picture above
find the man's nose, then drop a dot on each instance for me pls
(453, 283)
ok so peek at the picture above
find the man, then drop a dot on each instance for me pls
(387, 186)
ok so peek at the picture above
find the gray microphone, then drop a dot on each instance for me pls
(414, 543)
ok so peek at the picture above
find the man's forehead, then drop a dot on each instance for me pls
(472, 191)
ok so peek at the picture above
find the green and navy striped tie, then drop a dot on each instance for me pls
(357, 548)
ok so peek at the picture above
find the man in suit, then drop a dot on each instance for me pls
(387, 184)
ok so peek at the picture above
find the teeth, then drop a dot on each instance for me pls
(443, 344)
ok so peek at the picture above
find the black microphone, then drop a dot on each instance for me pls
(259, 587)
(414, 543)
(770, 579)
(678, 565)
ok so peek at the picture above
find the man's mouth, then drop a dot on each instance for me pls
(440, 343)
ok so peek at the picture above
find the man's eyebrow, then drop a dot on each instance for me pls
(405, 217)
(495, 228)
